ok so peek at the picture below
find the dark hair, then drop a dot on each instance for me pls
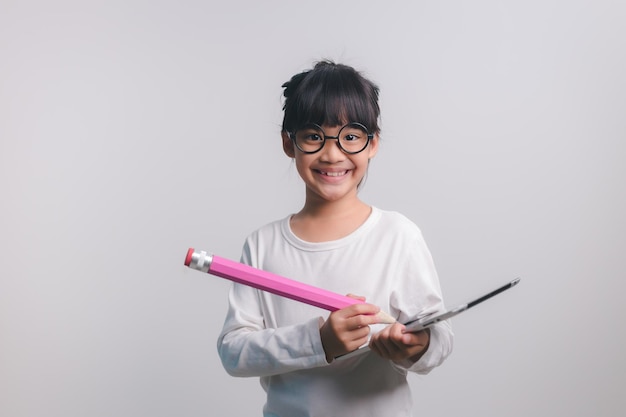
(331, 94)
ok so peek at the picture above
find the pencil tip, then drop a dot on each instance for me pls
(385, 318)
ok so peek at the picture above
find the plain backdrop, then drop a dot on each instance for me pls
(132, 130)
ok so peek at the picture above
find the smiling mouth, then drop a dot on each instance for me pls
(333, 174)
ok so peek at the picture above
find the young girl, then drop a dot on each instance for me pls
(339, 243)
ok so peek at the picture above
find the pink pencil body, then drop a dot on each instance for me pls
(272, 283)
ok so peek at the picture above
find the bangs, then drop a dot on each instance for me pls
(334, 97)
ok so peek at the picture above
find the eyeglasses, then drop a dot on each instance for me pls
(352, 138)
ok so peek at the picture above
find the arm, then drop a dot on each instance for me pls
(248, 348)
(417, 293)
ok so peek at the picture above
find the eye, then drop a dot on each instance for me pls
(313, 137)
(353, 134)
(310, 135)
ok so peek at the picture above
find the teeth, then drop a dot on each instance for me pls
(334, 174)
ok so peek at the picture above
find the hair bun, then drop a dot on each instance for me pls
(292, 85)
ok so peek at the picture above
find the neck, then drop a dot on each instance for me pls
(320, 208)
(321, 221)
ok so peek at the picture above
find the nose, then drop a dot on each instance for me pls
(331, 152)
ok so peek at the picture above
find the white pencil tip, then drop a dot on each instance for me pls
(385, 317)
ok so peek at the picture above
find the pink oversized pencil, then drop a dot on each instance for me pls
(273, 283)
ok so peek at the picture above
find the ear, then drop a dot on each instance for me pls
(288, 145)
(372, 148)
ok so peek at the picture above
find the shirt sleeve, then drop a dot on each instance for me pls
(247, 347)
(421, 273)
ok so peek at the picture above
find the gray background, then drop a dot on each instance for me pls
(132, 130)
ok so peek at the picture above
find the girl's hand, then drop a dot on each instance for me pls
(392, 344)
(347, 329)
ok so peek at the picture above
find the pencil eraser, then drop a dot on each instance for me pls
(188, 257)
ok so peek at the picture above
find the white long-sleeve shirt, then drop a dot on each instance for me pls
(278, 339)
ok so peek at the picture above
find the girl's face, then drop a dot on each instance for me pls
(331, 175)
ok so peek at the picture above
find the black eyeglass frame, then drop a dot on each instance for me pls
(370, 136)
